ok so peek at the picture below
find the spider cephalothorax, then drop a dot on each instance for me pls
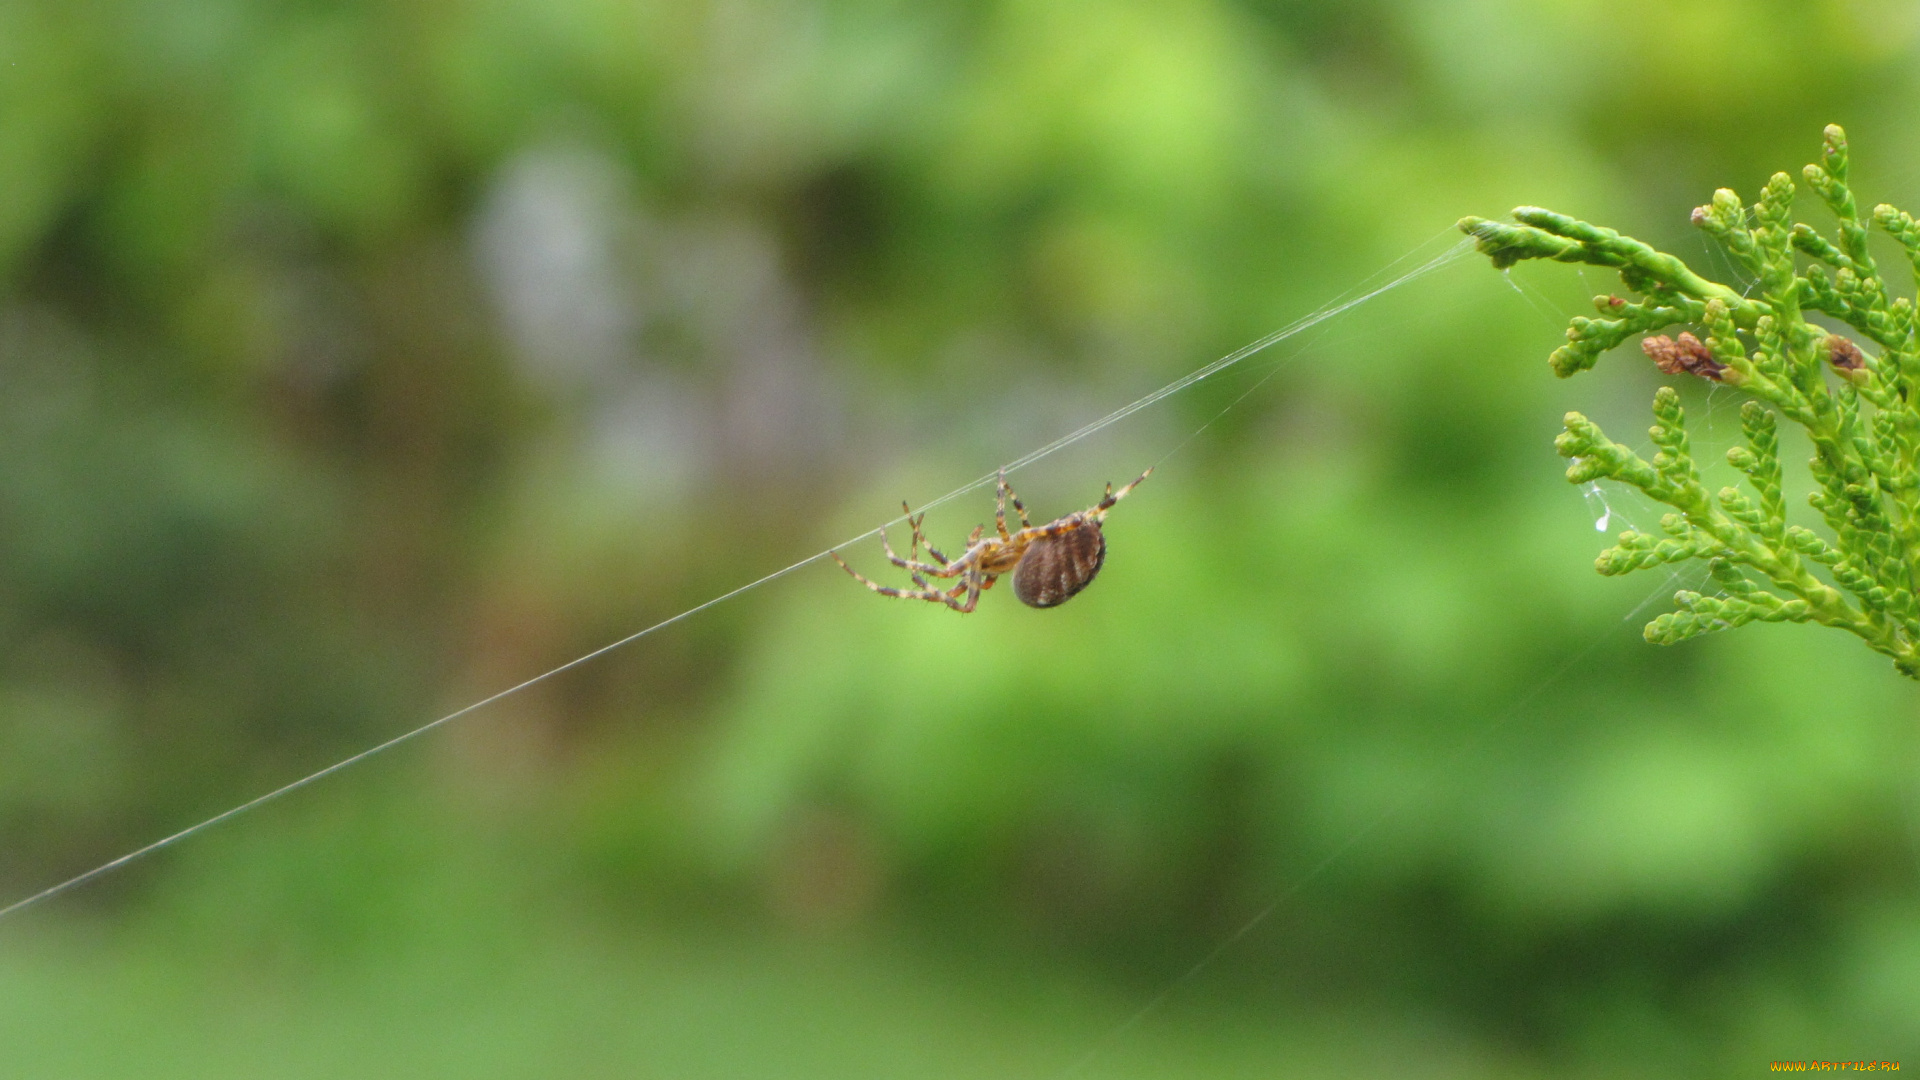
(1050, 563)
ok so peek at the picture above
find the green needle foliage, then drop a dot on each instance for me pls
(1858, 409)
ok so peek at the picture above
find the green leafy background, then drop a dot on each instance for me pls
(361, 360)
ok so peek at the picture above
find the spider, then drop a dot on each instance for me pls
(1050, 563)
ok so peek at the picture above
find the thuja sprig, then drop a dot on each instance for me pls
(1859, 408)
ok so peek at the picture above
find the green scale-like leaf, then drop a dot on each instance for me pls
(1856, 408)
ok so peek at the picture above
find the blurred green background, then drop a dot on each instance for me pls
(363, 359)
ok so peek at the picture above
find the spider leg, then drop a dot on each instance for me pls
(913, 552)
(1018, 506)
(1000, 505)
(920, 535)
(980, 584)
(973, 587)
(887, 546)
(952, 596)
(1100, 508)
(1053, 528)
(1096, 513)
(911, 565)
(934, 595)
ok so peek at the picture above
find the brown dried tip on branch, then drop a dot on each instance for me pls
(1844, 355)
(1687, 356)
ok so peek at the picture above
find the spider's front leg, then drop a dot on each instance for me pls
(928, 593)
(912, 554)
(945, 569)
(1007, 495)
(913, 549)
(919, 533)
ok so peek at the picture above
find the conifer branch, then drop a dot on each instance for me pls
(1858, 408)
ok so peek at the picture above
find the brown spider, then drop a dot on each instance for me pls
(1050, 563)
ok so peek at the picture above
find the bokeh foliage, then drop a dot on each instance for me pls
(362, 359)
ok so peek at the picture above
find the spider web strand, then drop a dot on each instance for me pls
(1452, 254)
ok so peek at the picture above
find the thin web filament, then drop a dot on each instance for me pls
(1307, 322)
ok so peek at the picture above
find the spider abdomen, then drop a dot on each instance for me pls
(1054, 568)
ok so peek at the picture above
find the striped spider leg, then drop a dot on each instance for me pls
(913, 556)
(1050, 563)
(918, 570)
